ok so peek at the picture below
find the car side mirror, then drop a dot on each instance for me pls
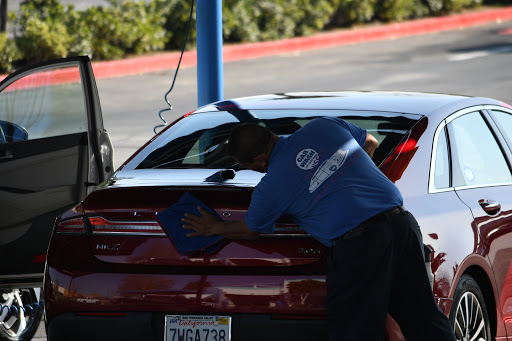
(12, 132)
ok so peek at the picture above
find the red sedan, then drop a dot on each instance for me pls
(449, 155)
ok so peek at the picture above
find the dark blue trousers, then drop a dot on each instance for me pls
(378, 270)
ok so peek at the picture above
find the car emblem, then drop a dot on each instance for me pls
(109, 247)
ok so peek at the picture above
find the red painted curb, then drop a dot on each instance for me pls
(165, 61)
(321, 40)
(407, 28)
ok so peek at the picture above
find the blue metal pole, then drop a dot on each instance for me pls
(210, 83)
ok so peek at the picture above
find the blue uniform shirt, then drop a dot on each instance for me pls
(321, 176)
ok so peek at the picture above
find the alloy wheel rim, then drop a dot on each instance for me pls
(469, 322)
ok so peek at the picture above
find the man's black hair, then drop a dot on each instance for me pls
(248, 140)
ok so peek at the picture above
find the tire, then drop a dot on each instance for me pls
(23, 325)
(468, 315)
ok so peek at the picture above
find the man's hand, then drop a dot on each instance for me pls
(207, 225)
(203, 225)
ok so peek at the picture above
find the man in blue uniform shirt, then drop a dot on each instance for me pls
(323, 176)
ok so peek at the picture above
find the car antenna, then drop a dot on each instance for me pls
(176, 72)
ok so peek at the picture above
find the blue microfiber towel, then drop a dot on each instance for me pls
(170, 219)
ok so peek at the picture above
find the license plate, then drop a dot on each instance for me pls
(197, 328)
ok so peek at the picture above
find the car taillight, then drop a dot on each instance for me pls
(76, 225)
(503, 104)
(397, 161)
(102, 225)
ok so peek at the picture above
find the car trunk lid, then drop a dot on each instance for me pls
(127, 231)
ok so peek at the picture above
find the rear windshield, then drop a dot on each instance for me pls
(200, 140)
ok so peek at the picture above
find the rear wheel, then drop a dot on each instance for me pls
(468, 315)
(19, 324)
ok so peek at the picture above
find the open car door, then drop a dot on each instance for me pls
(53, 151)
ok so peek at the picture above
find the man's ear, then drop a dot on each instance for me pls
(259, 158)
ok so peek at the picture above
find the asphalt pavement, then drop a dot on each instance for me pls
(40, 334)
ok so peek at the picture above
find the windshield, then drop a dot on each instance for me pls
(200, 140)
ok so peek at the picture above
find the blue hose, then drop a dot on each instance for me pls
(27, 309)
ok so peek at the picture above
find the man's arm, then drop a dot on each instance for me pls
(208, 225)
(370, 144)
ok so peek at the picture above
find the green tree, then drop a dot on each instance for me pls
(43, 32)
(9, 53)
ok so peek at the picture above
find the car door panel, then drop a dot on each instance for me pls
(53, 165)
(496, 234)
(50, 179)
(483, 181)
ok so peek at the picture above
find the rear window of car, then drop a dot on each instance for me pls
(200, 140)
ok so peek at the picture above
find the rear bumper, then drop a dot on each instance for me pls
(150, 327)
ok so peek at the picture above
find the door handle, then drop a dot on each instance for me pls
(490, 207)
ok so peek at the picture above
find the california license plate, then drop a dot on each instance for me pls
(197, 328)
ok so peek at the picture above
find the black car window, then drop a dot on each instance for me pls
(196, 141)
(442, 166)
(477, 158)
(200, 140)
(43, 104)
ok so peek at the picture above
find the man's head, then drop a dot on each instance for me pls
(251, 145)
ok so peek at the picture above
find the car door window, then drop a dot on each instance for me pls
(42, 105)
(477, 158)
(442, 167)
(505, 121)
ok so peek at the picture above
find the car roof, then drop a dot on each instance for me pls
(400, 102)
